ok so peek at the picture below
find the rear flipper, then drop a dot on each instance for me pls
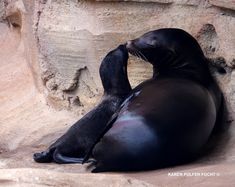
(44, 157)
(56, 156)
(62, 159)
(98, 169)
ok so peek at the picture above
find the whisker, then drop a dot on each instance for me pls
(131, 51)
(142, 55)
(135, 54)
(138, 54)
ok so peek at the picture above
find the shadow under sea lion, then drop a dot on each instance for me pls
(74, 144)
(168, 119)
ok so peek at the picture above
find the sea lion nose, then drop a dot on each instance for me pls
(128, 44)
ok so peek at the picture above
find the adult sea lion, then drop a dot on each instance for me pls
(74, 144)
(169, 118)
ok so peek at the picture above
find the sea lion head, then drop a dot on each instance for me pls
(113, 72)
(167, 47)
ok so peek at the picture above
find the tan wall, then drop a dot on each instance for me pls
(73, 36)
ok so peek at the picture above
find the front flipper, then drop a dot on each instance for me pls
(110, 123)
(107, 127)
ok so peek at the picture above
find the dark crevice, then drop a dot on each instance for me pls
(226, 11)
(74, 86)
(42, 4)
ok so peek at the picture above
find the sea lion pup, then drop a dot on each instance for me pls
(170, 117)
(73, 145)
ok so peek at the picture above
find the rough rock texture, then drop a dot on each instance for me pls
(224, 3)
(50, 52)
(36, 177)
(73, 37)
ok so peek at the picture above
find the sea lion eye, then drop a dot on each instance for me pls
(152, 43)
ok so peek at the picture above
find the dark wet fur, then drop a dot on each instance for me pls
(171, 116)
(77, 141)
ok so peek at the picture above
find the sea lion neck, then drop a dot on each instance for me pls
(194, 69)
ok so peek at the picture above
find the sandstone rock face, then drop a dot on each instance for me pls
(50, 53)
(1, 9)
(230, 4)
(74, 36)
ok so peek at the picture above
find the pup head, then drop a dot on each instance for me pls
(113, 72)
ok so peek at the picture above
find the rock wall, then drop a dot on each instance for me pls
(50, 51)
(73, 36)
